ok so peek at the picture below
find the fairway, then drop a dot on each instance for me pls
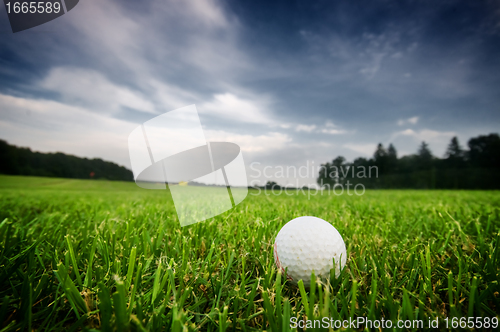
(109, 256)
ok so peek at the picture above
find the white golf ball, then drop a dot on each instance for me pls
(307, 244)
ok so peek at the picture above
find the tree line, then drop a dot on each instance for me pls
(22, 161)
(474, 167)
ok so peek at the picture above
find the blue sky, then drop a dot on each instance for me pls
(290, 82)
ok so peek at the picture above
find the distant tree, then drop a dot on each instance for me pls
(454, 155)
(272, 185)
(23, 161)
(454, 149)
(380, 152)
(337, 170)
(391, 152)
(358, 162)
(330, 173)
(424, 156)
(484, 151)
(475, 168)
(323, 175)
(338, 162)
(392, 158)
(424, 151)
(408, 164)
(381, 159)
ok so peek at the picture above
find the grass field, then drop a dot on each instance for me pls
(77, 255)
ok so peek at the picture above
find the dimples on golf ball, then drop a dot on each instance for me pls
(305, 244)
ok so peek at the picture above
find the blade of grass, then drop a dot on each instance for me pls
(73, 261)
(69, 288)
(131, 265)
(105, 308)
(88, 276)
(120, 306)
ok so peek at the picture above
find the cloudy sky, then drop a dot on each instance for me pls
(290, 82)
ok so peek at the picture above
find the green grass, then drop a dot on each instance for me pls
(77, 255)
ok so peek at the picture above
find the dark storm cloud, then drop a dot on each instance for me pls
(378, 59)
